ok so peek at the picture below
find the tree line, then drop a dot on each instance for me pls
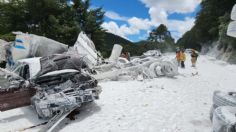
(59, 21)
(210, 26)
(52, 18)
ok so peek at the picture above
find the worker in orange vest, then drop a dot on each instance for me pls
(182, 58)
(178, 56)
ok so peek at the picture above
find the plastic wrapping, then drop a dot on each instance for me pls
(152, 53)
(85, 48)
(9, 80)
(62, 91)
(61, 61)
(224, 119)
(148, 67)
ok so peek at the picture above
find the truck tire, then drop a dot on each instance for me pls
(224, 119)
(169, 69)
(222, 99)
(154, 71)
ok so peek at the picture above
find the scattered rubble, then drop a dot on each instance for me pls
(58, 79)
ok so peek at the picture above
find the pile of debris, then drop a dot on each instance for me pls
(56, 79)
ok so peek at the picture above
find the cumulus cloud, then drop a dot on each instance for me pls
(140, 24)
(171, 6)
(114, 16)
(122, 30)
(133, 27)
(159, 10)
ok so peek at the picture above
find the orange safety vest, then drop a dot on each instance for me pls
(178, 56)
(182, 56)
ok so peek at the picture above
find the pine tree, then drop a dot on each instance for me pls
(53, 19)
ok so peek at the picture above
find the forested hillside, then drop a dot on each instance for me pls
(53, 19)
(210, 27)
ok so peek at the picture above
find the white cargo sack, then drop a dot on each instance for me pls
(115, 54)
(30, 45)
(232, 29)
(233, 13)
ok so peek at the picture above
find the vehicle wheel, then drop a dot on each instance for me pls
(224, 119)
(224, 99)
(169, 69)
(153, 69)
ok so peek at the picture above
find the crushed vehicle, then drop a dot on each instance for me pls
(54, 86)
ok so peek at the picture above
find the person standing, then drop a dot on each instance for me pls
(178, 56)
(194, 56)
(182, 58)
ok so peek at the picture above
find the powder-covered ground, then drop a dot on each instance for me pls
(179, 104)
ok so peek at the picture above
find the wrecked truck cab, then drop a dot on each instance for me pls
(57, 82)
(63, 89)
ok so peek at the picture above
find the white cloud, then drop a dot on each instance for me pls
(139, 24)
(114, 16)
(122, 30)
(179, 6)
(159, 10)
(135, 25)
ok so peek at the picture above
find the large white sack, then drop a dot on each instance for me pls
(233, 13)
(30, 45)
(232, 29)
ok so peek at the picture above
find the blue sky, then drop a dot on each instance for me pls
(133, 19)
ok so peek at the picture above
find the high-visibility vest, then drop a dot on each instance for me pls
(182, 56)
(178, 56)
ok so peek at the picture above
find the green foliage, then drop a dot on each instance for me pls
(135, 49)
(159, 38)
(189, 40)
(209, 24)
(111, 39)
(160, 34)
(52, 19)
(8, 37)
